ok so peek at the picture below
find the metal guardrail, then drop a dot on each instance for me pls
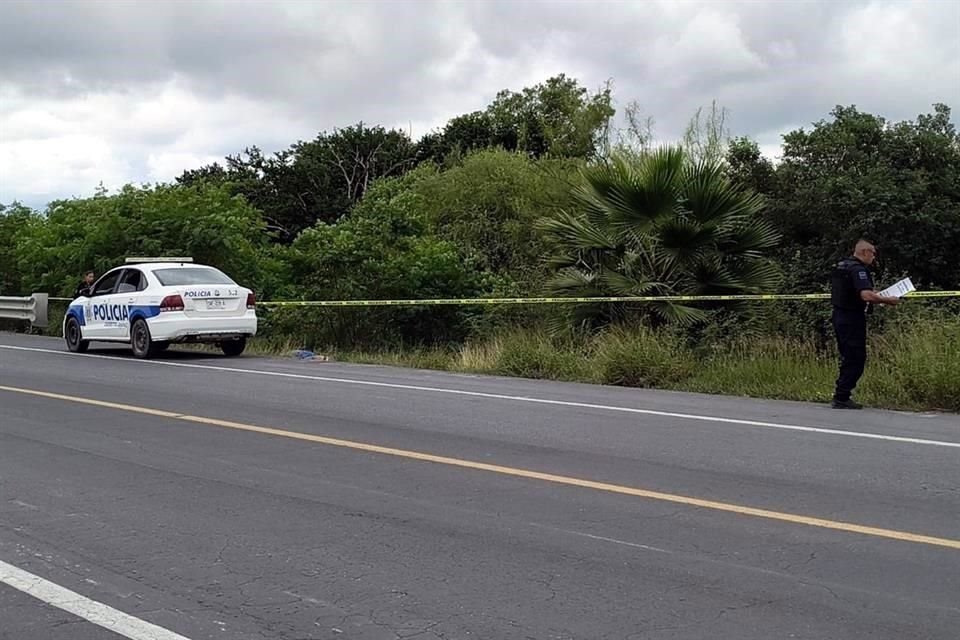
(32, 309)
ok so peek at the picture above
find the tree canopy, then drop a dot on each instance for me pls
(859, 175)
(533, 192)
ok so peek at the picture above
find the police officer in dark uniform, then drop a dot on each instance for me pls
(852, 291)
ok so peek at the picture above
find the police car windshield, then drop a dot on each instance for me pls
(190, 275)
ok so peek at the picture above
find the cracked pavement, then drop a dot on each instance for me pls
(215, 533)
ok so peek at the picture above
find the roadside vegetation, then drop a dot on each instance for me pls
(541, 193)
(913, 366)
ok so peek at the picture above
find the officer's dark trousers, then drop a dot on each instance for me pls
(851, 330)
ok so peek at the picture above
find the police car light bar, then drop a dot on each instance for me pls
(164, 259)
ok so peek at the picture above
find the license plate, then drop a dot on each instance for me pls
(216, 304)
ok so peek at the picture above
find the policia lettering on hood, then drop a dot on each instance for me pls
(108, 312)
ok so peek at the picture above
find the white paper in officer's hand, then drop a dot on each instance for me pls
(899, 290)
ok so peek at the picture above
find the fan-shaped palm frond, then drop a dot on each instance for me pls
(750, 239)
(627, 197)
(574, 283)
(710, 197)
(676, 313)
(759, 276)
(658, 224)
(619, 284)
(711, 276)
(661, 174)
(684, 239)
(560, 261)
(575, 232)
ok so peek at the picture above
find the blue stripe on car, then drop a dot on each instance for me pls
(76, 311)
(134, 311)
(144, 311)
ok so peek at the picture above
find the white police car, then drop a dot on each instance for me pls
(151, 303)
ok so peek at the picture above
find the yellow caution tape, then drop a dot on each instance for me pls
(501, 301)
(491, 301)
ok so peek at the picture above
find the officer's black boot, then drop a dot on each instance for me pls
(846, 404)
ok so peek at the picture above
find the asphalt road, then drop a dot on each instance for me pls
(548, 510)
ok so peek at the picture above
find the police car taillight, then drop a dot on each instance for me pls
(171, 303)
(251, 301)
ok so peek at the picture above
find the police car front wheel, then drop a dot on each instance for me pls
(75, 341)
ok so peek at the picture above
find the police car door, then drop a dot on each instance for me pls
(97, 308)
(127, 295)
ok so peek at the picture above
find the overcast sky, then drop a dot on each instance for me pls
(118, 92)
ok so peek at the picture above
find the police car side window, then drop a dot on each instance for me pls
(132, 280)
(106, 284)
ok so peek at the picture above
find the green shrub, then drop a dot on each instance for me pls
(640, 357)
(419, 358)
(769, 367)
(916, 365)
(205, 222)
(536, 354)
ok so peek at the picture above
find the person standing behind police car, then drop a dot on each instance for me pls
(86, 285)
(852, 291)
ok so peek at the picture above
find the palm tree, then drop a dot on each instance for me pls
(659, 224)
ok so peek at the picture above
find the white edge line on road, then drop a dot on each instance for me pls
(581, 534)
(83, 607)
(497, 396)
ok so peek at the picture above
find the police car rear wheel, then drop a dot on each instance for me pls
(140, 340)
(233, 347)
(73, 336)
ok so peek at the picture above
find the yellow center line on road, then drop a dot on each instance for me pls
(714, 505)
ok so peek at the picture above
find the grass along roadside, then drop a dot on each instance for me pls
(912, 366)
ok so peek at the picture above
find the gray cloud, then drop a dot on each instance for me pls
(131, 89)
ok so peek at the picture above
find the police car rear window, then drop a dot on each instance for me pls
(190, 275)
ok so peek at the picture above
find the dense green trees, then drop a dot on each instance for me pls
(859, 175)
(17, 223)
(532, 194)
(557, 118)
(204, 221)
(319, 180)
